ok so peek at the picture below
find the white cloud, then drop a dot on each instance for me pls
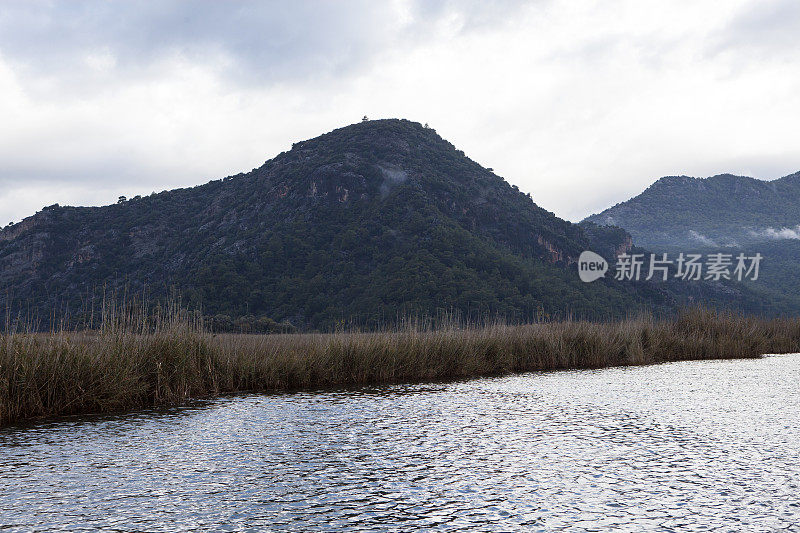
(777, 234)
(700, 238)
(581, 103)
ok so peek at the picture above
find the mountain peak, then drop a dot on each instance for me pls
(373, 219)
(673, 180)
(370, 221)
(790, 178)
(376, 130)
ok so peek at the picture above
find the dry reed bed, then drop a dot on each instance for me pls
(117, 369)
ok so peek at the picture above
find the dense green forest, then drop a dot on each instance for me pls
(362, 226)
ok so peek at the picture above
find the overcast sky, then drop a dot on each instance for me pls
(581, 103)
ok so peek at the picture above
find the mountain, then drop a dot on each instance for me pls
(723, 210)
(361, 225)
(723, 213)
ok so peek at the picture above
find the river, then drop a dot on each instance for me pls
(690, 446)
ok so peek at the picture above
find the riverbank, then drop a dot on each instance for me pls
(120, 369)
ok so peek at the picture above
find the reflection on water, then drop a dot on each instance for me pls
(684, 446)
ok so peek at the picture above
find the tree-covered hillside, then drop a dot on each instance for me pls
(723, 210)
(358, 226)
(723, 214)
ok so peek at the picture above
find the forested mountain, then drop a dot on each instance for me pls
(358, 226)
(722, 214)
(723, 210)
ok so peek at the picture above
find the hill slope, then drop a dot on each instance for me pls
(362, 224)
(723, 210)
(722, 213)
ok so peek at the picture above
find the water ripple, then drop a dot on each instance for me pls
(694, 446)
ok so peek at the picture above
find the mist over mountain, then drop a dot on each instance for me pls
(358, 226)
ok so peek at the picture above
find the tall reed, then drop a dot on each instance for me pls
(166, 359)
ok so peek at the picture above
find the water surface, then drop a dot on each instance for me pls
(694, 446)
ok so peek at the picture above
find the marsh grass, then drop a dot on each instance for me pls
(131, 363)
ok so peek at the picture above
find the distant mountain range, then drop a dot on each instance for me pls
(725, 214)
(721, 211)
(361, 225)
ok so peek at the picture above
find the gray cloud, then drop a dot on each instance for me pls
(266, 41)
(557, 95)
(253, 41)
